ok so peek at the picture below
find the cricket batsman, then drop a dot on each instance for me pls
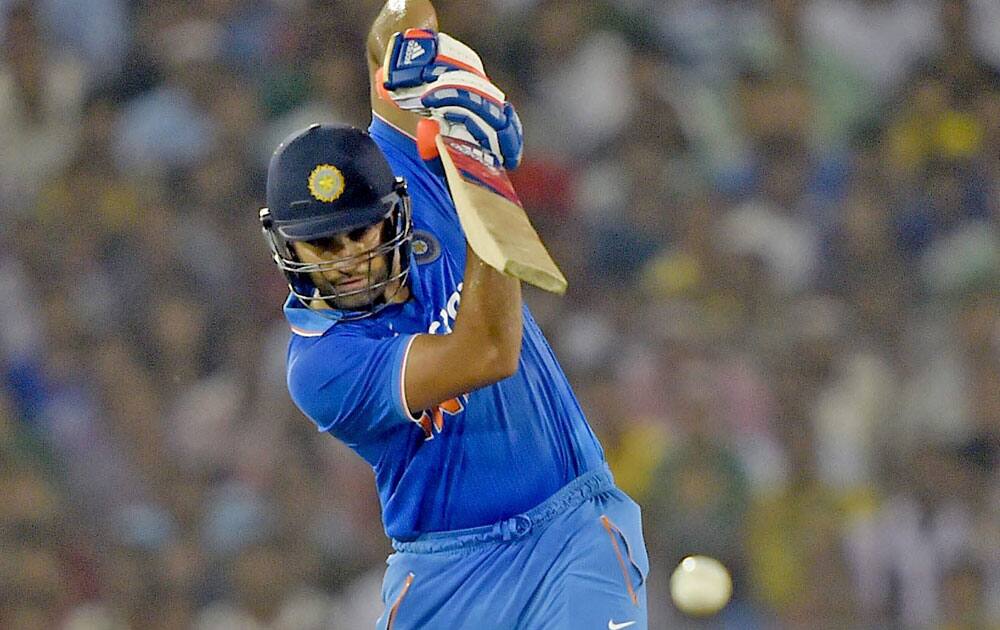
(424, 360)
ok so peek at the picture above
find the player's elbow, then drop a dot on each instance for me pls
(501, 362)
(504, 355)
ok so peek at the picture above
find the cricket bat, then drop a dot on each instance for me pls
(492, 217)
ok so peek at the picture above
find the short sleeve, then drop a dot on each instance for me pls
(350, 385)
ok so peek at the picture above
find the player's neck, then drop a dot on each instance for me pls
(396, 293)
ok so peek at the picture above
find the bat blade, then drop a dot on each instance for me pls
(494, 222)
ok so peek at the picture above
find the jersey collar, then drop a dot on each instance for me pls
(307, 322)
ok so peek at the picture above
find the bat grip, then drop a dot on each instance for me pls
(427, 133)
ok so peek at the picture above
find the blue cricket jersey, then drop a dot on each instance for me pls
(481, 458)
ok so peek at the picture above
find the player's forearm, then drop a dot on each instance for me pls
(489, 318)
(395, 16)
(483, 347)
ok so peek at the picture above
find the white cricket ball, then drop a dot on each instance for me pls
(700, 586)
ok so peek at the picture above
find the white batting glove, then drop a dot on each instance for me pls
(437, 76)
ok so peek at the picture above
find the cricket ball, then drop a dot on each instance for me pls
(700, 586)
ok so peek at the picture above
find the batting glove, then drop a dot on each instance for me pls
(437, 76)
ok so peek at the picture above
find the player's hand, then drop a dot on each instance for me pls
(419, 56)
(439, 77)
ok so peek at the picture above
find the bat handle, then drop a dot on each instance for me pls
(427, 133)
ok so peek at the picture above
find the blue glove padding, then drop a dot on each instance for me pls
(501, 135)
(419, 56)
(469, 103)
(437, 76)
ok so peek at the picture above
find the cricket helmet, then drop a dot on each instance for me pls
(325, 180)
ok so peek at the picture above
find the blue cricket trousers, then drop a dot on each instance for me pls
(576, 562)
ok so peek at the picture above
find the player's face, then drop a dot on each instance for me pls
(354, 273)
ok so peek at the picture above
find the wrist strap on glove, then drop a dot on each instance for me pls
(419, 56)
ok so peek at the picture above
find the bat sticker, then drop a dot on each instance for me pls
(477, 167)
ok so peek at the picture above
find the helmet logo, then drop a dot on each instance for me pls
(326, 183)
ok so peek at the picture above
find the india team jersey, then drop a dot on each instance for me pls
(474, 460)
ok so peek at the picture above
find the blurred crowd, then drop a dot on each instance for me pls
(780, 220)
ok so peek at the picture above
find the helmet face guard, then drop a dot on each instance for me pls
(393, 210)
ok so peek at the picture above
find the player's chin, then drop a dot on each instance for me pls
(355, 301)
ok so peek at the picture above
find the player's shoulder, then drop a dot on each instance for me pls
(315, 362)
(433, 208)
(400, 150)
(399, 147)
(335, 345)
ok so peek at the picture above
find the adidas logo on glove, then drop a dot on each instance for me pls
(414, 51)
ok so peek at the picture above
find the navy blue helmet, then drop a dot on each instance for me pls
(326, 180)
